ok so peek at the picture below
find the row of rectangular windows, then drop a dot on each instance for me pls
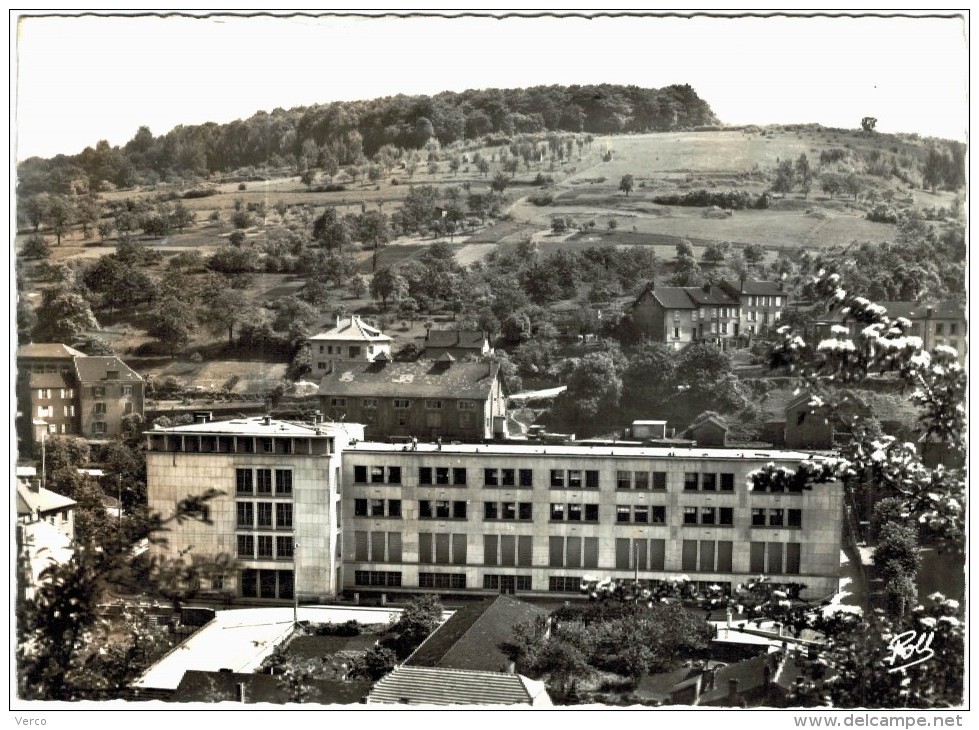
(578, 552)
(250, 515)
(404, 404)
(577, 512)
(272, 547)
(559, 478)
(392, 579)
(252, 481)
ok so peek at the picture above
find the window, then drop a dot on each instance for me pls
(526, 477)
(100, 409)
(442, 475)
(283, 516)
(246, 546)
(708, 482)
(265, 546)
(127, 408)
(491, 478)
(433, 405)
(370, 403)
(676, 333)
(377, 508)
(402, 404)
(641, 480)
(98, 391)
(564, 584)
(466, 405)
(441, 580)
(623, 513)
(690, 481)
(267, 446)
(776, 517)
(658, 515)
(727, 516)
(338, 402)
(509, 511)
(574, 479)
(360, 508)
(459, 510)
(708, 515)
(45, 393)
(557, 512)
(574, 513)
(591, 480)
(659, 480)
(507, 583)
(557, 478)
(508, 477)
(459, 476)
(690, 515)
(390, 579)
(283, 481)
(264, 510)
(727, 482)
(795, 518)
(127, 390)
(591, 513)
(793, 558)
(953, 329)
(243, 481)
(640, 514)
(245, 512)
(354, 352)
(284, 547)
(940, 328)
(525, 511)
(394, 508)
(441, 509)
(263, 481)
(757, 517)
(424, 475)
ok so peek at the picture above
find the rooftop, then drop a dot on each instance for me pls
(197, 686)
(471, 638)
(50, 380)
(910, 310)
(351, 329)
(93, 369)
(754, 287)
(650, 452)
(48, 351)
(473, 339)
(437, 686)
(263, 426)
(420, 379)
(43, 500)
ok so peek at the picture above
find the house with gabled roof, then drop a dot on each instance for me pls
(108, 390)
(461, 662)
(349, 339)
(458, 343)
(427, 399)
(679, 315)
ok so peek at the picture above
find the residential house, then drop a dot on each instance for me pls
(424, 399)
(350, 339)
(708, 432)
(408, 685)
(724, 315)
(460, 344)
(108, 390)
(275, 522)
(63, 391)
(937, 323)
(45, 529)
(805, 429)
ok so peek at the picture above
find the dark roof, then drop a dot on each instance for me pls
(94, 369)
(197, 686)
(717, 423)
(50, 380)
(472, 339)
(753, 287)
(47, 351)
(713, 295)
(672, 297)
(659, 687)
(420, 379)
(471, 638)
(751, 676)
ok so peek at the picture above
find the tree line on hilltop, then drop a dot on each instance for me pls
(346, 133)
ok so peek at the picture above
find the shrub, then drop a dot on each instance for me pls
(883, 213)
(242, 186)
(200, 193)
(541, 199)
(196, 358)
(731, 200)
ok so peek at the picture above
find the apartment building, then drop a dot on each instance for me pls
(108, 390)
(723, 314)
(937, 324)
(275, 526)
(532, 519)
(426, 399)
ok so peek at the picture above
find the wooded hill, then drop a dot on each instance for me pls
(345, 133)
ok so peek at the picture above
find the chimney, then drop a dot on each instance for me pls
(34, 484)
(240, 692)
(706, 288)
(267, 420)
(338, 321)
(741, 280)
(929, 313)
(732, 692)
(317, 416)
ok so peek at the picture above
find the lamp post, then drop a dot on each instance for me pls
(295, 585)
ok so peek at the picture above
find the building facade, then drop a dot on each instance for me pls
(424, 399)
(458, 343)
(349, 339)
(275, 523)
(723, 315)
(108, 391)
(536, 519)
(937, 324)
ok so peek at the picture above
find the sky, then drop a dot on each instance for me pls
(82, 79)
